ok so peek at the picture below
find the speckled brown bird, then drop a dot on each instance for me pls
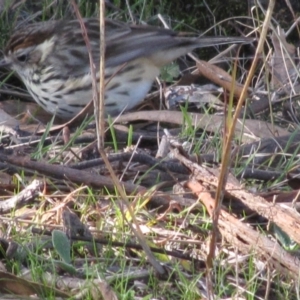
(52, 60)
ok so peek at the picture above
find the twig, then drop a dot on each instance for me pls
(100, 106)
(23, 198)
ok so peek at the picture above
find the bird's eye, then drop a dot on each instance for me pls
(22, 58)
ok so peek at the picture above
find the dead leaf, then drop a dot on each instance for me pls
(283, 60)
(18, 286)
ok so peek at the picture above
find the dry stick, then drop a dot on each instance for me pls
(30, 192)
(130, 12)
(283, 216)
(226, 151)
(249, 128)
(246, 239)
(217, 209)
(98, 96)
(137, 231)
(114, 178)
(63, 172)
(100, 107)
(132, 245)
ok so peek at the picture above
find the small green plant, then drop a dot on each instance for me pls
(62, 245)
